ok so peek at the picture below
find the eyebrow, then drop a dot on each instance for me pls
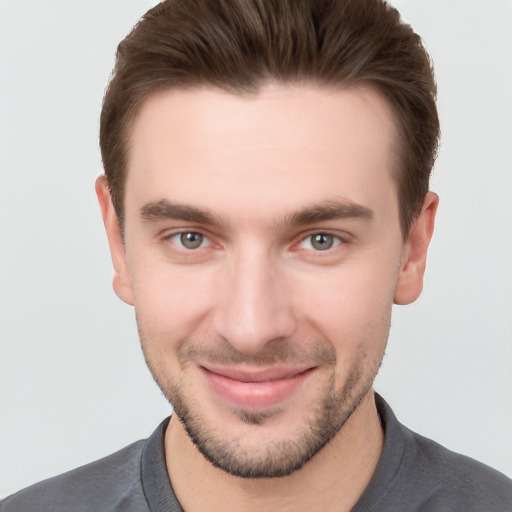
(329, 210)
(164, 209)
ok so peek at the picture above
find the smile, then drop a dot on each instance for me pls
(255, 389)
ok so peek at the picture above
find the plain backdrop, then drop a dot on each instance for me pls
(74, 386)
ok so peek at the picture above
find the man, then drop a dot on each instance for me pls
(266, 202)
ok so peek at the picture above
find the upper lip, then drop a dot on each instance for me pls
(256, 374)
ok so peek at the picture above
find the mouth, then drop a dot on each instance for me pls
(255, 389)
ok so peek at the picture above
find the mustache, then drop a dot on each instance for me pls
(275, 352)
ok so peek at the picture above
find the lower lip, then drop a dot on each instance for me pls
(255, 395)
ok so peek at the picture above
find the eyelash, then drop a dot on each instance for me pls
(180, 235)
(336, 241)
(205, 241)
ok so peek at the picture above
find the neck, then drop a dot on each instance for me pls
(333, 479)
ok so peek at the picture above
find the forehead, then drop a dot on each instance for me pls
(284, 145)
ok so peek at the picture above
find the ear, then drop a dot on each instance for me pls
(122, 282)
(414, 256)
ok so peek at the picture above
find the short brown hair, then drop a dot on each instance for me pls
(238, 45)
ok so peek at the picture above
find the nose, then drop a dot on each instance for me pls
(254, 306)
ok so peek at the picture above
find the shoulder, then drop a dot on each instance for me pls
(101, 485)
(459, 481)
(417, 474)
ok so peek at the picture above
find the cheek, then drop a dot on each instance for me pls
(351, 305)
(170, 302)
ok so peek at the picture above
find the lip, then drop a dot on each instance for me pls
(255, 389)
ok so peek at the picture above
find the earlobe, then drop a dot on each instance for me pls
(414, 258)
(122, 282)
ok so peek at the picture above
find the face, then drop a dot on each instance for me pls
(262, 254)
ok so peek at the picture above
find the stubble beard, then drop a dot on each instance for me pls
(282, 457)
(279, 458)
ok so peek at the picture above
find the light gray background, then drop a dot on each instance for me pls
(73, 383)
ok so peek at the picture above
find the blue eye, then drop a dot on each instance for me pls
(320, 242)
(190, 240)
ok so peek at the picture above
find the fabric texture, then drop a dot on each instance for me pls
(414, 474)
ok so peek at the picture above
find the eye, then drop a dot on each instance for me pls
(320, 242)
(189, 240)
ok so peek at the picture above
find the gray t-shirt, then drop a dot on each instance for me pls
(414, 474)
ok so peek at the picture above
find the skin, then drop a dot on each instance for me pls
(290, 198)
